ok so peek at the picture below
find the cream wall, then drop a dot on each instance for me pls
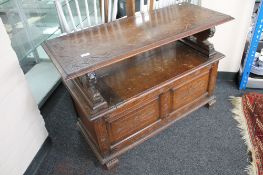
(230, 37)
(22, 128)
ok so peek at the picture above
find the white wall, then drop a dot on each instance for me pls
(230, 37)
(22, 130)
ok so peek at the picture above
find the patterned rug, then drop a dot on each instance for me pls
(248, 112)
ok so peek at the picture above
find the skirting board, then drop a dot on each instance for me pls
(39, 158)
(227, 76)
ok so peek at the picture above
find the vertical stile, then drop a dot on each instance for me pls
(130, 7)
(62, 16)
(115, 10)
(70, 15)
(109, 10)
(150, 5)
(95, 11)
(108, 13)
(155, 4)
(79, 14)
(102, 11)
(87, 12)
(106, 10)
(141, 5)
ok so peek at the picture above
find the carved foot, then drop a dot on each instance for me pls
(211, 103)
(111, 164)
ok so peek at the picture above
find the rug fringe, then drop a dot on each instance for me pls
(242, 125)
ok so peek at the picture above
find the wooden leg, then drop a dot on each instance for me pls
(211, 103)
(111, 164)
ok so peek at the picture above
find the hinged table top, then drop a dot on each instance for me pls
(85, 51)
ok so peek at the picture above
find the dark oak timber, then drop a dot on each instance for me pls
(134, 77)
(121, 39)
(199, 41)
(130, 7)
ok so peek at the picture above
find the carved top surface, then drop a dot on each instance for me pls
(93, 48)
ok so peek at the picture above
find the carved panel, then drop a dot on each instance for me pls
(189, 91)
(132, 122)
(87, 87)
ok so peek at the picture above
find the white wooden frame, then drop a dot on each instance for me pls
(63, 6)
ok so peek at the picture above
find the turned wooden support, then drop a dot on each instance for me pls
(199, 41)
(91, 93)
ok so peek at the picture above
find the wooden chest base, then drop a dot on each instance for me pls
(111, 160)
(137, 110)
(133, 77)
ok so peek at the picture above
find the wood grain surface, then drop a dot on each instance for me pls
(93, 48)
